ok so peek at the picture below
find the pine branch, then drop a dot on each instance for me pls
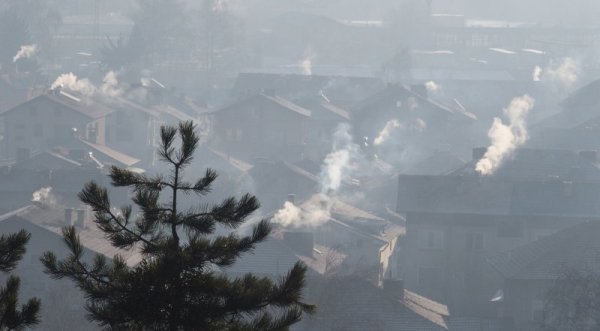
(12, 249)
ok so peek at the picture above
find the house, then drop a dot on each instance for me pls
(423, 124)
(262, 126)
(49, 120)
(62, 303)
(529, 271)
(456, 221)
(350, 303)
(366, 241)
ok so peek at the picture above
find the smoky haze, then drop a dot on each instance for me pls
(433, 164)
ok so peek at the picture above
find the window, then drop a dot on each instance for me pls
(510, 229)
(431, 239)
(474, 241)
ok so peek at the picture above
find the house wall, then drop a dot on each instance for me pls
(39, 124)
(363, 251)
(445, 254)
(131, 132)
(260, 129)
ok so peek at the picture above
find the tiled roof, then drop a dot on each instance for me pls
(52, 219)
(546, 258)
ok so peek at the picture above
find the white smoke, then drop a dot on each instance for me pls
(307, 62)
(564, 73)
(537, 73)
(506, 138)
(110, 85)
(311, 214)
(43, 196)
(337, 164)
(109, 88)
(71, 82)
(386, 132)
(26, 52)
(432, 87)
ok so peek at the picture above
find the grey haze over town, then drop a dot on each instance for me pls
(373, 165)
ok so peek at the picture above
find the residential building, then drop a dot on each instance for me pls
(49, 120)
(455, 222)
(529, 271)
(262, 126)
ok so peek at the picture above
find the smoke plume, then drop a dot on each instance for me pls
(71, 82)
(25, 52)
(564, 73)
(432, 87)
(43, 196)
(506, 138)
(307, 62)
(311, 214)
(385, 133)
(337, 164)
(537, 73)
(110, 85)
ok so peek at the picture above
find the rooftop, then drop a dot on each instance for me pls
(52, 219)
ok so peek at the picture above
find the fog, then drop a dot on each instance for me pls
(432, 163)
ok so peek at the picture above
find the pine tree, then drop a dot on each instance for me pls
(177, 285)
(12, 249)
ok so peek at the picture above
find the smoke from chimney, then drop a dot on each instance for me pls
(537, 73)
(563, 74)
(25, 52)
(71, 82)
(43, 196)
(385, 133)
(506, 138)
(337, 164)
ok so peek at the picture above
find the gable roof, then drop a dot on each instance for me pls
(52, 219)
(87, 108)
(276, 100)
(394, 90)
(575, 247)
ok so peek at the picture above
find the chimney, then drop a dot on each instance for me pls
(80, 221)
(300, 242)
(69, 216)
(588, 157)
(394, 288)
(478, 153)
